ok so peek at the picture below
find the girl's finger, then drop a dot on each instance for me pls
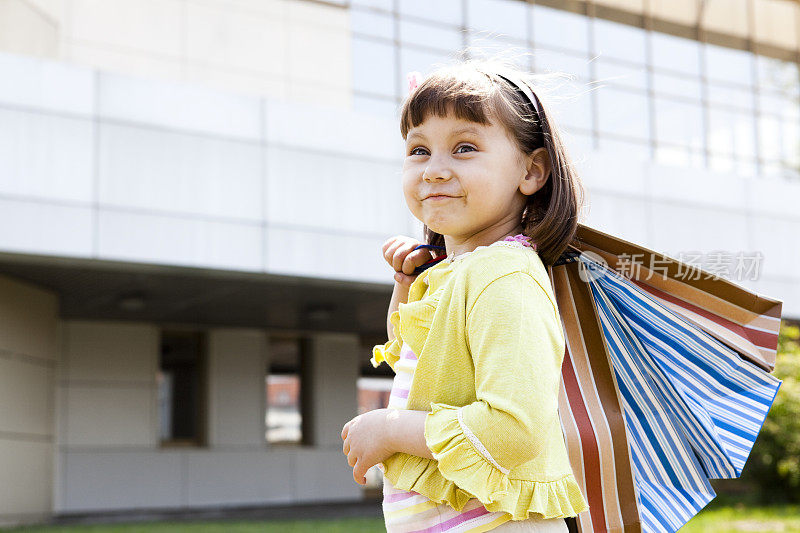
(358, 476)
(414, 259)
(391, 251)
(400, 254)
(404, 279)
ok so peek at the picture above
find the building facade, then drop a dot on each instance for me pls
(193, 196)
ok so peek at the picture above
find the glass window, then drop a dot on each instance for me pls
(624, 149)
(791, 142)
(746, 168)
(731, 131)
(571, 106)
(671, 85)
(430, 36)
(679, 123)
(622, 112)
(730, 96)
(676, 53)
(424, 61)
(386, 107)
(441, 11)
(385, 5)
(284, 390)
(679, 156)
(579, 146)
(769, 137)
(790, 173)
(481, 43)
(772, 102)
(777, 75)
(182, 379)
(771, 168)
(618, 74)
(373, 67)
(373, 393)
(371, 23)
(723, 163)
(619, 41)
(552, 61)
(728, 64)
(506, 18)
(560, 29)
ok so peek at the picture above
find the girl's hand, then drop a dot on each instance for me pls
(398, 253)
(366, 442)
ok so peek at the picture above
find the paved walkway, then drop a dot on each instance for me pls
(298, 511)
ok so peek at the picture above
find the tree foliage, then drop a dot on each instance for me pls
(773, 467)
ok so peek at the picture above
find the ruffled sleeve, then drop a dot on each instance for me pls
(390, 351)
(468, 473)
(521, 498)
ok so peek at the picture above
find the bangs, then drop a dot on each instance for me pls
(467, 95)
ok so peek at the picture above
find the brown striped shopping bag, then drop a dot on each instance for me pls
(665, 381)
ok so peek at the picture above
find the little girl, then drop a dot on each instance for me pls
(471, 440)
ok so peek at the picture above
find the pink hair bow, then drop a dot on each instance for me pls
(413, 80)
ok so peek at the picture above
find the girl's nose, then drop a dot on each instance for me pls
(437, 169)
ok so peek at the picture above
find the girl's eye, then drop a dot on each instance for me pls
(416, 151)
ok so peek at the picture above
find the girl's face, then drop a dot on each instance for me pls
(480, 171)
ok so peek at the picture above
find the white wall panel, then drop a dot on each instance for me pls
(110, 414)
(319, 254)
(776, 238)
(46, 156)
(144, 25)
(176, 105)
(30, 226)
(621, 216)
(112, 351)
(176, 173)
(318, 189)
(330, 129)
(26, 397)
(184, 241)
(46, 85)
(28, 358)
(122, 480)
(679, 228)
(237, 387)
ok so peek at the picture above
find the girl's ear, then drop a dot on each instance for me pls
(538, 167)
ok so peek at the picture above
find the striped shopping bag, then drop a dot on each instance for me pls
(665, 381)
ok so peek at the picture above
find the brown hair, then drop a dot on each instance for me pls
(472, 90)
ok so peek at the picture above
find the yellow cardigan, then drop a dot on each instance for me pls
(489, 342)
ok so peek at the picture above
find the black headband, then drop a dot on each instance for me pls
(529, 95)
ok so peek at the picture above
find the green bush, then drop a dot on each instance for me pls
(773, 468)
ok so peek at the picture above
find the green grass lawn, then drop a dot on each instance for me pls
(712, 519)
(345, 525)
(741, 518)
